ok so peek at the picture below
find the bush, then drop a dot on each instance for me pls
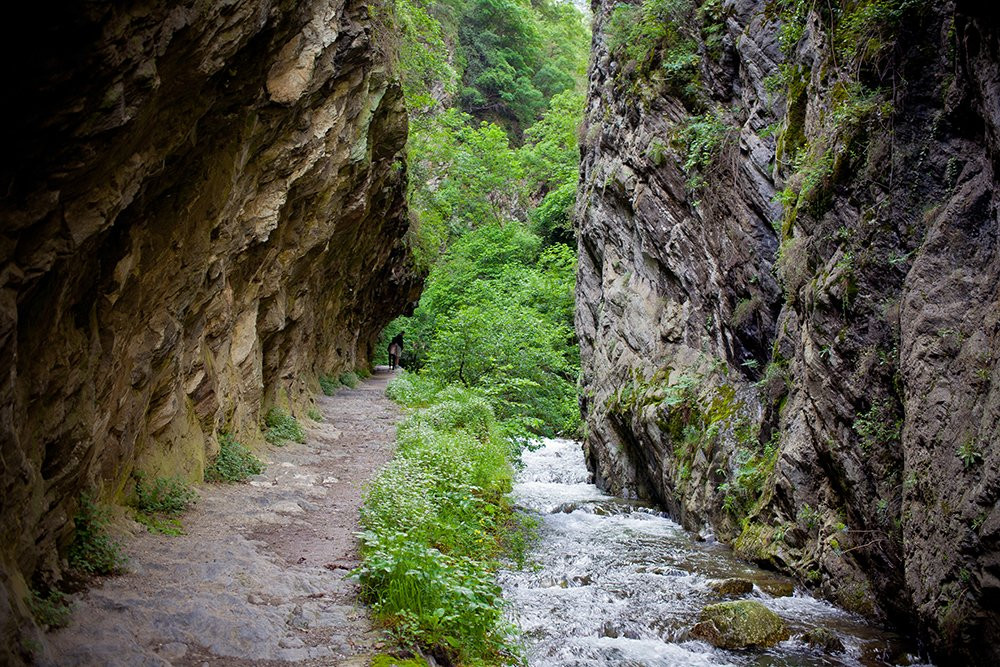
(93, 551)
(166, 495)
(51, 610)
(234, 463)
(413, 390)
(282, 428)
(349, 379)
(329, 385)
(436, 519)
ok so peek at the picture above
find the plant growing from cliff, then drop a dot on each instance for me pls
(807, 516)
(969, 452)
(50, 609)
(93, 551)
(234, 463)
(700, 141)
(878, 426)
(314, 414)
(282, 428)
(349, 379)
(329, 385)
(165, 495)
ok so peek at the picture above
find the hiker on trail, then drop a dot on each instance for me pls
(395, 351)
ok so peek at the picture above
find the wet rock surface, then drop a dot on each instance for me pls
(203, 209)
(740, 624)
(260, 576)
(819, 388)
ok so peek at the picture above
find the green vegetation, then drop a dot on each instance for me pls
(349, 379)
(329, 385)
(878, 427)
(969, 452)
(93, 551)
(314, 414)
(159, 504)
(490, 350)
(282, 428)
(234, 463)
(50, 609)
(436, 520)
(700, 141)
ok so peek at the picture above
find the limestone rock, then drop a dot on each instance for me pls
(203, 209)
(740, 624)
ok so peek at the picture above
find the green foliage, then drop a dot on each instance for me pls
(436, 519)
(700, 140)
(424, 61)
(282, 428)
(51, 610)
(969, 452)
(393, 661)
(93, 551)
(807, 516)
(166, 495)
(496, 315)
(329, 385)
(314, 415)
(349, 379)
(234, 463)
(878, 427)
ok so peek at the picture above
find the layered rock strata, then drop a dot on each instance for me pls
(203, 210)
(787, 295)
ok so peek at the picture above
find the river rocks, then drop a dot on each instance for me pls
(740, 624)
(203, 208)
(818, 382)
(731, 587)
(823, 639)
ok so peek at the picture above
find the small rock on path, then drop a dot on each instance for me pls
(259, 578)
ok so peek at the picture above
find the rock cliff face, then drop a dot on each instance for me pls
(788, 294)
(203, 209)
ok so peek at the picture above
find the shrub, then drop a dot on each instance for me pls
(314, 415)
(166, 495)
(412, 389)
(436, 519)
(329, 385)
(51, 610)
(234, 463)
(93, 551)
(282, 428)
(349, 379)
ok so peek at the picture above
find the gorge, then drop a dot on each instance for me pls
(781, 216)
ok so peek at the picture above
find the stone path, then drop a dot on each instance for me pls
(259, 579)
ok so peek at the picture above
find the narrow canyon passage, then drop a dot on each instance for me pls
(260, 576)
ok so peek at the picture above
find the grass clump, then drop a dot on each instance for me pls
(282, 428)
(166, 495)
(314, 415)
(234, 463)
(93, 551)
(159, 503)
(349, 379)
(51, 610)
(329, 385)
(436, 521)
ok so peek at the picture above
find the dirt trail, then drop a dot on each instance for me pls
(259, 578)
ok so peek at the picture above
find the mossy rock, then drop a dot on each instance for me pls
(823, 639)
(740, 624)
(731, 588)
(778, 589)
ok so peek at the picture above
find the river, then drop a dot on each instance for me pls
(614, 583)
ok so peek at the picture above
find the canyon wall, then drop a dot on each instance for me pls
(788, 293)
(203, 210)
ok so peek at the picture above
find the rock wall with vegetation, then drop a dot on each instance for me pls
(787, 291)
(203, 211)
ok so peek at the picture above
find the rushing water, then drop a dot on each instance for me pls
(618, 584)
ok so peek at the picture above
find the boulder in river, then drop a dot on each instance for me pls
(740, 624)
(731, 587)
(824, 640)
